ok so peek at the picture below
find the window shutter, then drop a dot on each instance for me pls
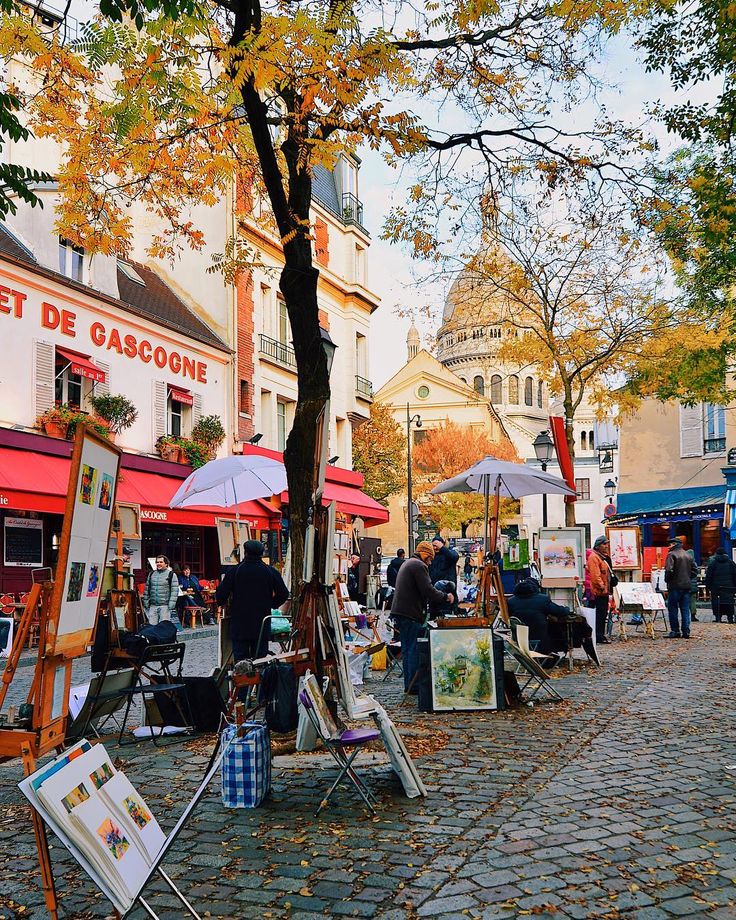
(691, 431)
(103, 389)
(196, 408)
(159, 409)
(44, 365)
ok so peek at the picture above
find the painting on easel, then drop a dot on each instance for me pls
(231, 540)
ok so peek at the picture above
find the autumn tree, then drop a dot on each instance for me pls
(447, 451)
(582, 300)
(379, 453)
(162, 103)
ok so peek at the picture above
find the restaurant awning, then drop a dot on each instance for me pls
(660, 506)
(82, 365)
(38, 482)
(180, 395)
(353, 501)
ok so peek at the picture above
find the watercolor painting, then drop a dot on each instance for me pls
(88, 485)
(106, 491)
(93, 580)
(76, 581)
(462, 669)
(137, 811)
(113, 838)
(75, 797)
(101, 775)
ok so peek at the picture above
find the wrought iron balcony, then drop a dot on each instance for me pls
(363, 387)
(714, 445)
(352, 209)
(278, 352)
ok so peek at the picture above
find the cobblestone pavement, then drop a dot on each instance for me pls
(614, 804)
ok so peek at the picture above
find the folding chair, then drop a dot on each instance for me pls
(393, 651)
(337, 742)
(530, 664)
(156, 665)
(105, 697)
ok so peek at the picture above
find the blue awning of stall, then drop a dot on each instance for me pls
(664, 505)
(729, 516)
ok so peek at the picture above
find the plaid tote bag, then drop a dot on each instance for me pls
(246, 766)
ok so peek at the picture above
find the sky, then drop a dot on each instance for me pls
(391, 271)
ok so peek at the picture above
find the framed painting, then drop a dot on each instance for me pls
(516, 555)
(230, 540)
(625, 543)
(461, 668)
(561, 553)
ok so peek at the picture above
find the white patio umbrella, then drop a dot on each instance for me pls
(230, 480)
(505, 479)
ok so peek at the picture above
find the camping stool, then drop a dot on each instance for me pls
(350, 738)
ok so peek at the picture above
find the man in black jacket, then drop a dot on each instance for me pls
(393, 567)
(679, 570)
(547, 621)
(256, 590)
(720, 580)
(444, 564)
(414, 590)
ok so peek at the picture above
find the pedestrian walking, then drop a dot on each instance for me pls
(444, 564)
(414, 590)
(720, 580)
(254, 589)
(161, 593)
(393, 567)
(693, 589)
(679, 570)
(602, 582)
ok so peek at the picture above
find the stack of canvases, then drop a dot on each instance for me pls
(94, 808)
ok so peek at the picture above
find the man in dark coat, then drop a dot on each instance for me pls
(393, 567)
(256, 589)
(720, 580)
(354, 580)
(547, 620)
(414, 590)
(679, 570)
(444, 564)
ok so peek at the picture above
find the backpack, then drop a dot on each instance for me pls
(162, 633)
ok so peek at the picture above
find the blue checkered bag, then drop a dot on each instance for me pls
(246, 766)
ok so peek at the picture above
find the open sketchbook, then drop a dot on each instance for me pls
(100, 815)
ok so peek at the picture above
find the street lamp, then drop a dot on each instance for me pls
(416, 421)
(544, 448)
(329, 348)
(610, 489)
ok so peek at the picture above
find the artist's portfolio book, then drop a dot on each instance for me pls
(100, 816)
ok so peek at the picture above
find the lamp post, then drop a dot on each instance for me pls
(544, 447)
(610, 489)
(417, 421)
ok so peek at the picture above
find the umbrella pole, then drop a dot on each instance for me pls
(496, 504)
(486, 480)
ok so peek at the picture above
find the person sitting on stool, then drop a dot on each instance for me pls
(547, 621)
(192, 597)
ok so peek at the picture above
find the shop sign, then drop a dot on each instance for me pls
(4, 500)
(147, 515)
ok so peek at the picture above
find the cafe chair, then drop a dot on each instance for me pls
(34, 631)
(338, 746)
(538, 680)
(155, 676)
(7, 605)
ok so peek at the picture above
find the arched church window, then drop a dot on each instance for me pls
(514, 390)
(529, 392)
(540, 393)
(591, 440)
(479, 385)
(496, 389)
(583, 441)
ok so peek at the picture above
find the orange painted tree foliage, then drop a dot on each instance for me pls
(445, 452)
(161, 104)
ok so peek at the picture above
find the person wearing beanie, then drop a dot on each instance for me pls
(254, 590)
(600, 572)
(679, 571)
(444, 564)
(414, 590)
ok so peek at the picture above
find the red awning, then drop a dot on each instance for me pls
(82, 365)
(352, 501)
(180, 395)
(38, 482)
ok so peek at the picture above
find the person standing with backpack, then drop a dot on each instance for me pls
(161, 593)
(720, 580)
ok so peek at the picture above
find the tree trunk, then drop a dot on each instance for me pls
(570, 438)
(464, 529)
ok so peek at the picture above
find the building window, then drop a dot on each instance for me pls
(243, 403)
(479, 385)
(423, 391)
(67, 386)
(528, 392)
(71, 260)
(266, 310)
(591, 440)
(714, 428)
(284, 332)
(514, 390)
(361, 355)
(174, 417)
(496, 389)
(360, 265)
(281, 431)
(582, 487)
(540, 393)
(583, 440)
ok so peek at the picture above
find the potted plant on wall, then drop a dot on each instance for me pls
(195, 453)
(210, 433)
(97, 425)
(55, 420)
(118, 412)
(168, 448)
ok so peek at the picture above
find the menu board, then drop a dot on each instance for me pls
(23, 541)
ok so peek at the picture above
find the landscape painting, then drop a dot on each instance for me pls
(462, 671)
(561, 552)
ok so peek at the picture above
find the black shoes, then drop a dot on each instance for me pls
(603, 641)
(673, 635)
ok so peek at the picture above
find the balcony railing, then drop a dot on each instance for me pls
(278, 352)
(352, 209)
(363, 387)
(714, 445)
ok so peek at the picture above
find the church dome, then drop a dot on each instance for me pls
(473, 298)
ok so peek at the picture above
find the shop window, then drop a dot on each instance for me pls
(68, 387)
(71, 260)
(528, 392)
(582, 487)
(514, 390)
